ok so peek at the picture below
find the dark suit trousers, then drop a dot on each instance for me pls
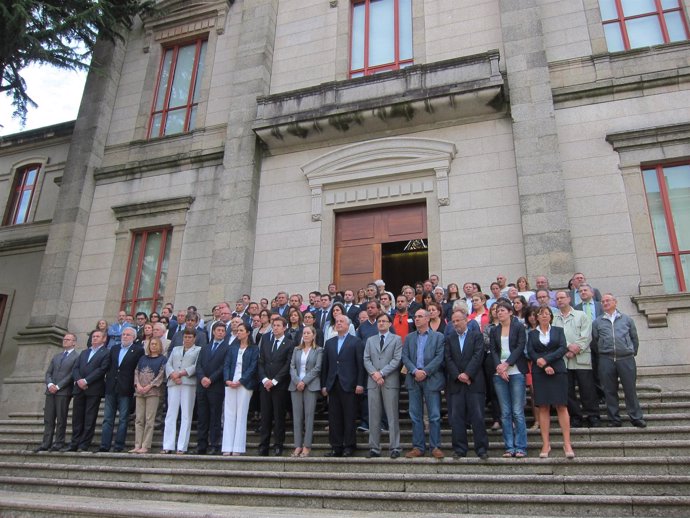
(273, 406)
(209, 405)
(84, 415)
(468, 407)
(342, 413)
(55, 420)
(584, 379)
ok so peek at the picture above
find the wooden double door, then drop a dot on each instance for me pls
(369, 245)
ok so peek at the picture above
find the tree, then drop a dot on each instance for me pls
(61, 33)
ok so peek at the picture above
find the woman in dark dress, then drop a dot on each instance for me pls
(546, 347)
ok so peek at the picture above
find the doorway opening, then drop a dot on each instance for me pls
(404, 264)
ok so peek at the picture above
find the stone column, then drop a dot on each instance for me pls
(545, 225)
(233, 251)
(23, 390)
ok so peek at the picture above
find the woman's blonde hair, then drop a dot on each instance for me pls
(314, 345)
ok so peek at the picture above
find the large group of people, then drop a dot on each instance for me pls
(347, 354)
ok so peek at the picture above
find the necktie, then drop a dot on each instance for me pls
(213, 349)
(275, 346)
(62, 359)
(588, 310)
(382, 340)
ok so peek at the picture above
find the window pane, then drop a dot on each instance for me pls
(656, 211)
(644, 32)
(614, 38)
(199, 72)
(405, 28)
(675, 27)
(156, 125)
(633, 7)
(31, 176)
(608, 9)
(669, 4)
(144, 305)
(381, 32)
(357, 50)
(668, 274)
(678, 185)
(133, 265)
(192, 118)
(685, 264)
(164, 269)
(183, 76)
(163, 84)
(150, 265)
(23, 209)
(175, 122)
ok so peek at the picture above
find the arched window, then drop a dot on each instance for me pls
(22, 194)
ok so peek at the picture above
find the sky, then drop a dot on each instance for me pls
(57, 93)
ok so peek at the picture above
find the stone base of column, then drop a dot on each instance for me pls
(24, 390)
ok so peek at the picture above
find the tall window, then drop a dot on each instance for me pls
(381, 36)
(631, 24)
(668, 198)
(147, 270)
(22, 194)
(177, 89)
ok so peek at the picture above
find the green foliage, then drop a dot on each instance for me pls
(61, 33)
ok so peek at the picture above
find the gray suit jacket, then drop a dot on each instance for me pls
(60, 373)
(179, 362)
(433, 360)
(386, 361)
(312, 379)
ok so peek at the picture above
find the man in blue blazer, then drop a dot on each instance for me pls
(464, 367)
(210, 392)
(342, 379)
(422, 356)
(89, 387)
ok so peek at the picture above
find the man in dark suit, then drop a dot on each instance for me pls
(342, 379)
(89, 387)
(275, 354)
(351, 309)
(191, 321)
(577, 281)
(59, 387)
(464, 354)
(210, 392)
(422, 356)
(282, 304)
(119, 389)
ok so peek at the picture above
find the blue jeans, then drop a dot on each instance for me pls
(113, 403)
(511, 398)
(418, 394)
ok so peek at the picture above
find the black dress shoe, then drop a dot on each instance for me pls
(347, 452)
(102, 449)
(118, 450)
(334, 453)
(459, 455)
(395, 454)
(56, 448)
(200, 451)
(639, 423)
(262, 452)
(575, 423)
(614, 424)
(86, 450)
(40, 448)
(483, 455)
(278, 452)
(373, 454)
(594, 422)
(69, 448)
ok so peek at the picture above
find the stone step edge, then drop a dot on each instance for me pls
(400, 477)
(376, 496)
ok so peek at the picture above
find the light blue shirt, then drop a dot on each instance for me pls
(421, 345)
(461, 339)
(93, 351)
(123, 351)
(341, 341)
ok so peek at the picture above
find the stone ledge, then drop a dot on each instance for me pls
(656, 307)
(461, 90)
(132, 210)
(25, 237)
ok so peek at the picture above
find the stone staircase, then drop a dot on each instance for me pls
(618, 472)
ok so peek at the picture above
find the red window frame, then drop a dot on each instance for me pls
(3, 303)
(189, 106)
(16, 216)
(135, 299)
(370, 70)
(658, 13)
(675, 251)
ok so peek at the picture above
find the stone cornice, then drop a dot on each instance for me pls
(656, 307)
(649, 137)
(37, 137)
(462, 89)
(132, 210)
(27, 237)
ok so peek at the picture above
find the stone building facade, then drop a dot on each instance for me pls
(241, 136)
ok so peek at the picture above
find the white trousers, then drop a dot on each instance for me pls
(236, 407)
(180, 398)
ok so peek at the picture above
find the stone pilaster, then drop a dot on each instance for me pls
(546, 229)
(55, 289)
(233, 252)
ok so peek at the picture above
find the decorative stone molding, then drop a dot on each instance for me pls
(651, 145)
(656, 307)
(183, 19)
(341, 176)
(134, 210)
(26, 237)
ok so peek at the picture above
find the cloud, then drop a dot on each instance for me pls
(57, 93)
